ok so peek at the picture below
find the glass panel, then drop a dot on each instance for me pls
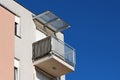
(56, 46)
(52, 21)
(64, 51)
(47, 17)
(58, 25)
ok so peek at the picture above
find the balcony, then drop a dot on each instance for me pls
(53, 56)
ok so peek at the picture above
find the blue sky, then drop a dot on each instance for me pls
(94, 33)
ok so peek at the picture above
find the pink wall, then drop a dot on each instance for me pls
(6, 45)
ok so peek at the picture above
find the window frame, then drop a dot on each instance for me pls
(17, 27)
(16, 67)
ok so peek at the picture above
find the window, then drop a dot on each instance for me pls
(16, 69)
(41, 75)
(58, 78)
(17, 27)
(15, 73)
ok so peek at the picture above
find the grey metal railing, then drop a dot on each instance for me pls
(56, 47)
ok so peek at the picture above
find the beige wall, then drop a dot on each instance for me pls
(6, 45)
(23, 45)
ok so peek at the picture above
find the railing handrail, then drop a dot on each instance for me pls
(63, 43)
(63, 50)
(71, 52)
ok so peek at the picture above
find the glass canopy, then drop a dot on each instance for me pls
(51, 21)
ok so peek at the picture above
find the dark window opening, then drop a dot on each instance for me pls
(17, 30)
(15, 73)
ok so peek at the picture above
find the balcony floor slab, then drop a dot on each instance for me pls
(53, 65)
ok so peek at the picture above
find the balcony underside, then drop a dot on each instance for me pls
(53, 65)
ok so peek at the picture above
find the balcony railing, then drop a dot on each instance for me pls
(52, 46)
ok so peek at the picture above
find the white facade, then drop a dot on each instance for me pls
(23, 44)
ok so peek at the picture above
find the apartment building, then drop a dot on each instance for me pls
(32, 46)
